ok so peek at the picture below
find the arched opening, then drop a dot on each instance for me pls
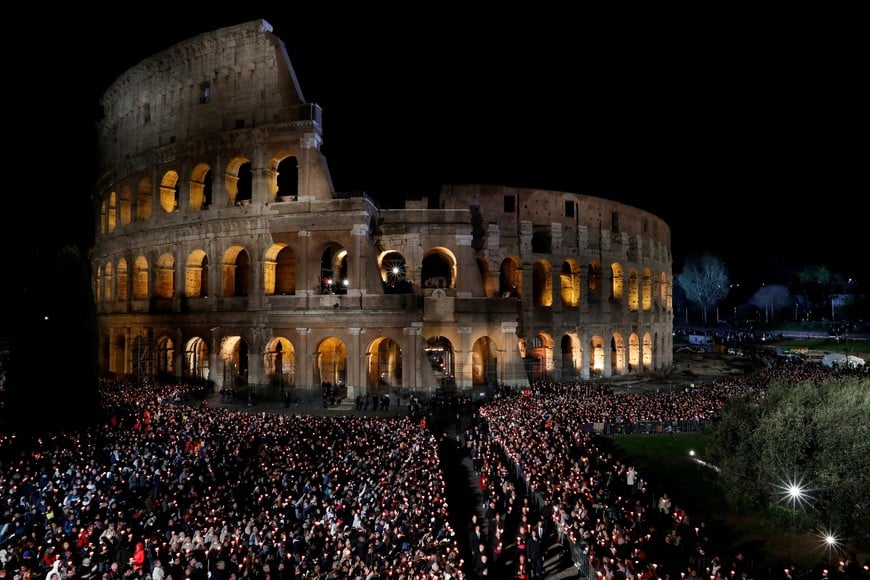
(484, 363)
(333, 270)
(439, 353)
(196, 359)
(288, 179)
(437, 270)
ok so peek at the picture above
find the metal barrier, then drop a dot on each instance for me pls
(652, 427)
(580, 559)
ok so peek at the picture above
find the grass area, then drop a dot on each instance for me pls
(765, 538)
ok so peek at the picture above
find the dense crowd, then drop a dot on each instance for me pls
(200, 492)
(167, 489)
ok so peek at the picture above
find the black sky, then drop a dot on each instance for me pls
(745, 132)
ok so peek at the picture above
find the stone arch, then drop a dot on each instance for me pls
(646, 294)
(144, 200)
(234, 356)
(647, 352)
(235, 272)
(442, 358)
(539, 357)
(123, 281)
(279, 270)
(164, 357)
(112, 212)
(510, 278)
(164, 286)
(569, 283)
(438, 269)
(108, 281)
(286, 173)
(593, 281)
(484, 362)
(141, 277)
(196, 359)
(542, 284)
(633, 290)
(597, 353)
(125, 205)
(330, 362)
(279, 363)
(617, 288)
(384, 368)
(97, 283)
(169, 191)
(200, 194)
(634, 354)
(394, 272)
(238, 180)
(196, 274)
(571, 357)
(617, 354)
(334, 274)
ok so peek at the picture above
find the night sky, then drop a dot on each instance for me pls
(743, 132)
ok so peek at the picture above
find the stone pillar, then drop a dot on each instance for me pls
(256, 352)
(412, 356)
(357, 268)
(511, 356)
(219, 195)
(470, 282)
(260, 187)
(305, 377)
(180, 348)
(465, 357)
(304, 284)
(214, 373)
(356, 364)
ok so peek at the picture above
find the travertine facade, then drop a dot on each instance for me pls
(224, 253)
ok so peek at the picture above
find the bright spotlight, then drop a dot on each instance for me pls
(794, 492)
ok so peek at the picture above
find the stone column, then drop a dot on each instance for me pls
(213, 358)
(304, 377)
(304, 284)
(470, 282)
(465, 357)
(357, 267)
(412, 356)
(356, 364)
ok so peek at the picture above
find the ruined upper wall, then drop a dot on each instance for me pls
(233, 78)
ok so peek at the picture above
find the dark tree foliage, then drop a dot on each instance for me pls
(809, 434)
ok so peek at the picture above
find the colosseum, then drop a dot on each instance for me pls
(223, 253)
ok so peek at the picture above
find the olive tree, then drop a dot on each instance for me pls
(815, 434)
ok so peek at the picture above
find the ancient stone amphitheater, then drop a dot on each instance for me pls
(224, 254)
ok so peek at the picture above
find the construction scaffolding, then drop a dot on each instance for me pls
(142, 353)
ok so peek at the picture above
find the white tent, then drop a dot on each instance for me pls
(841, 360)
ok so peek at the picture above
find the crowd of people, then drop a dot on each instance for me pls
(167, 489)
(225, 494)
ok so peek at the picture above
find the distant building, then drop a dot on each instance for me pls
(224, 254)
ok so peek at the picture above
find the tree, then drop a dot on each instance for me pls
(705, 281)
(770, 298)
(819, 283)
(814, 433)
